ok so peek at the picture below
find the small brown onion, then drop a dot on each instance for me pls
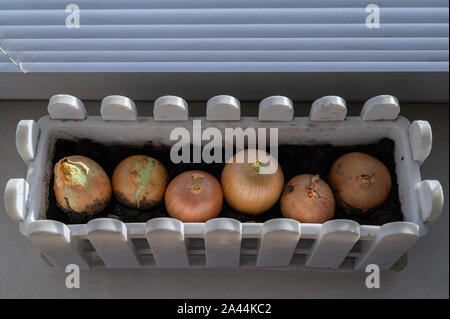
(360, 182)
(139, 182)
(247, 187)
(81, 185)
(194, 196)
(308, 199)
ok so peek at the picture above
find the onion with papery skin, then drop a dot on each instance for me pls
(360, 182)
(194, 196)
(308, 199)
(139, 182)
(81, 185)
(247, 185)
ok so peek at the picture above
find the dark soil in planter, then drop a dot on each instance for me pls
(294, 160)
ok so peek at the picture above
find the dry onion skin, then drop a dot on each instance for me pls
(247, 187)
(139, 182)
(360, 182)
(194, 196)
(81, 185)
(308, 199)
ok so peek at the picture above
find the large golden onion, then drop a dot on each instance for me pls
(139, 182)
(360, 182)
(248, 186)
(81, 185)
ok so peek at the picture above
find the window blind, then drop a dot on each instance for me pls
(224, 36)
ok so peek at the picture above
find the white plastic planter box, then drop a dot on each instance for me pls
(223, 242)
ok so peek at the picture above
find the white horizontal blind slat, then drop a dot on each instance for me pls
(226, 31)
(234, 66)
(232, 56)
(224, 16)
(225, 44)
(168, 4)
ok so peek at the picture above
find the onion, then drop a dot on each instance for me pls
(247, 186)
(139, 182)
(360, 182)
(194, 196)
(81, 185)
(308, 199)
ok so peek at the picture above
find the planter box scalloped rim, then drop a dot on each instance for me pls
(223, 242)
